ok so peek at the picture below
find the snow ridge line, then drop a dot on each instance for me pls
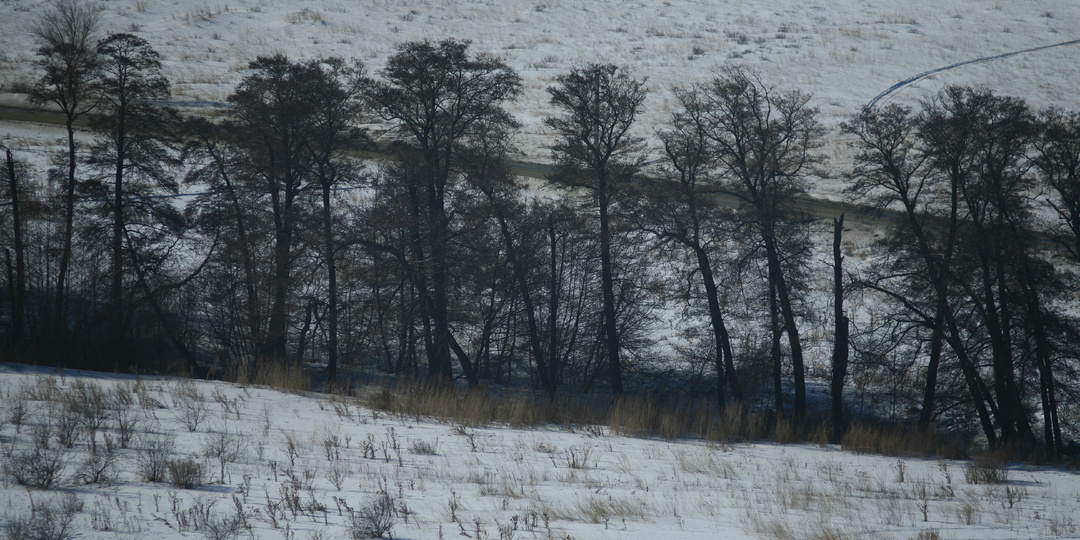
(925, 74)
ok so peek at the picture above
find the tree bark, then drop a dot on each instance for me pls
(18, 287)
(332, 290)
(783, 297)
(611, 330)
(840, 340)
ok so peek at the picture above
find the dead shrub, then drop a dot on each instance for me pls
(154, 455)
(190, 406)
(49, 519)
(100, 467)
(186, 472)
(986, 468)
(900, 441)
(40, 466)
(374, 519)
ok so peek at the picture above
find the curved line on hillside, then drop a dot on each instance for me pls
(925, 74)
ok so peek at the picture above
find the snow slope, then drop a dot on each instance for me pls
(304, 461)
(843, 52)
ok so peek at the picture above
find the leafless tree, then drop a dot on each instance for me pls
(133, 151)
(595, 149)
(67, 34)
(437, 94)
(765, 141)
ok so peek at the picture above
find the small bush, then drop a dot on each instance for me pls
(48, 520)
(374, 519)
(153, 457)
(68, 421)
(225, 448)
(579, 457)
(186, 473)
(18, 410)
(41, 466)
(426, 448)
(337, 472)
(190, 406)
(99, 468)
(219, 527)
(128, 423)
(92, 405)
(986, 469)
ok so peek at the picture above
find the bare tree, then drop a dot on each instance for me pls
(1057, 159)
(437, 94)
(682, 209)
(133, 149)
(765, 142)
(14, 172)
(840, 334)
(895, 166)
(335, 95)
(66, 34)
(595, 149)
(227, 209)
(273, 120)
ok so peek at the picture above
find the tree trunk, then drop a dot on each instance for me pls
(926, 414)
(18, 288)
(537, 347)
(440, 315)
(725, 365)
(776, 276)
(251, 303)
(840, 340)
(69, 229)
(116, 297)
(332, 292)
(553, 304)
(611, 329)
(774, 350)
(275, 345)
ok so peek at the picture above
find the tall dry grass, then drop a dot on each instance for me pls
(902, 441)
(633, 416)
(287, 376)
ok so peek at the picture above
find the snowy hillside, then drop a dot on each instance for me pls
(247, 462)
(844, 53)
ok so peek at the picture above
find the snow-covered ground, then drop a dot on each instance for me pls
(293, 466)
(843, 52)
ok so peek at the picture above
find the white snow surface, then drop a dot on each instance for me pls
(488, 482)
(842, 52)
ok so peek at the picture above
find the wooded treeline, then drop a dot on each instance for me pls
(424, 255)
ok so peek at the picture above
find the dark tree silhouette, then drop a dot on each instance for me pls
(595, 149)
(134, 150)
(765, 142)
(334, 88)
(682, 209)
(437, 94)
(66, 35)
(14, 174)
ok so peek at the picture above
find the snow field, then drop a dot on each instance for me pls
(267, 464)
(843, 53)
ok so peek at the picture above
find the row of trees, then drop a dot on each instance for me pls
(974, 289)
(307, 243)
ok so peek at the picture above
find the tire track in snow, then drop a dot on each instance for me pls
(925, 74)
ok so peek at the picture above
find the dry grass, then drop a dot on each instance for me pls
(286, 376)
(641, 416)
(635, 416)
(902, 442)
(474, 407)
